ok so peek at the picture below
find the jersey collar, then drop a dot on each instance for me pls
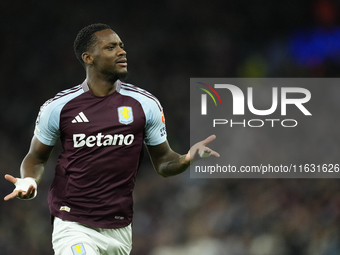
(86, 87)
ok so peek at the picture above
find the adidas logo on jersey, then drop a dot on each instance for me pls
(80, 118)
(80, 140)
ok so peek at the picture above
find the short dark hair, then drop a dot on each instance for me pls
(85, 39)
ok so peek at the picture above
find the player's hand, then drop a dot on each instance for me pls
(200, 150)
(26, 188)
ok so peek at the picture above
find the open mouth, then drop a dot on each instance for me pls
(122, 62)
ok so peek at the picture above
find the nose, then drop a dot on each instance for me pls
(121, 51)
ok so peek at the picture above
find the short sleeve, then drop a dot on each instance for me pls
(155, 130)
(47, 124)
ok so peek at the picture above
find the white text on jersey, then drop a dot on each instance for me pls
(79, 140)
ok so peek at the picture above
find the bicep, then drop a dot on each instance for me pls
(39, 151)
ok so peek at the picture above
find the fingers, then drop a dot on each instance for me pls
(15, 192)
(208, 139)
(214, 153)
(21, 194)
(12, 195)
(10, 178)
(29, 193)
(204, 151)
(207, 152)
(200, 150)
(204, 154)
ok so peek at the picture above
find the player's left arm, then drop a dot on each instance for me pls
(169, 163)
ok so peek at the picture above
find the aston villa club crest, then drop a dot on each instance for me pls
(125, 115)
(78, 249)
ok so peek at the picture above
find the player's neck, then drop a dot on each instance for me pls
(100, 87)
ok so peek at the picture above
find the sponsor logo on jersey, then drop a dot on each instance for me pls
(80, 140)
(78, 249)
(125, 115)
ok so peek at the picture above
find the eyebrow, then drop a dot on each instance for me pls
(114, 43)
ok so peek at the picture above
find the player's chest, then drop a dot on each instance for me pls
(108, 116)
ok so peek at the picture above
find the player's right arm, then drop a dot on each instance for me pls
(32, 167)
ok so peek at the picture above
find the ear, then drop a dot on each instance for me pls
(87, 58)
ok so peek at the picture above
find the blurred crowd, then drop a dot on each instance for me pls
(168, 42)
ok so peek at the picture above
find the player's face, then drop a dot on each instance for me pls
(109, 56)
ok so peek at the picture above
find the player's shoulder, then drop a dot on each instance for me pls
(54, 105)
(64, 96)
(140, 94)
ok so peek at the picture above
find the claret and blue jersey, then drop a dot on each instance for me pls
(102, 139)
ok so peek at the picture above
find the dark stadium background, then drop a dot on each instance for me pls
(167, 43)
